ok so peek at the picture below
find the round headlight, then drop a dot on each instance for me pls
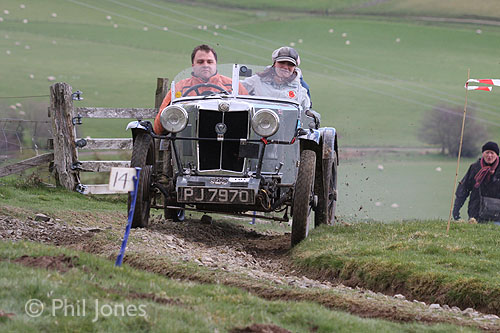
(265, 122)
(174, 118)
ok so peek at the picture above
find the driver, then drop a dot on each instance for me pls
(204, 64)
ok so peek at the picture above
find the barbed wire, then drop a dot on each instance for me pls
(23, 120)
(19, 136)
(33, 96)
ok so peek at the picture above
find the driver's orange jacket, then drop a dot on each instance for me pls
(183, 85)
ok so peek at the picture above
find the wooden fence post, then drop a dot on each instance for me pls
(65, 154)
(161, 91)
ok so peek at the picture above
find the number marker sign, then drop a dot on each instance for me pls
(122, 179)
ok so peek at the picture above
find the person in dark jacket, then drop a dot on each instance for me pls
(482, 179)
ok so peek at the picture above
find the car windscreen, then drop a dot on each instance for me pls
(257, 81)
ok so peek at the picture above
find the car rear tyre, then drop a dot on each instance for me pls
(303, 196)
(327, 194)
(142, 157)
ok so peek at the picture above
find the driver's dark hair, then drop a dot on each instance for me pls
(205, 48)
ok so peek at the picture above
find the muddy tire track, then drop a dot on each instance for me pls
(260, 263)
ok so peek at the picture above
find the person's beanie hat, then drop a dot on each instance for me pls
(490, 145)
(286, 53)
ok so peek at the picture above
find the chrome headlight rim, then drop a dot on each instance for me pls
(174, 118)
(266, 115)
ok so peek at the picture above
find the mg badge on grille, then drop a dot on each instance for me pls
(220, 129)
(224, 106)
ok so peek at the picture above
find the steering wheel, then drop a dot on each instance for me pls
(204, 85)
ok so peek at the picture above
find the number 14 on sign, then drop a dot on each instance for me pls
(122, 179)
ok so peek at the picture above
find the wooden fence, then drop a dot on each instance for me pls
(65, 117)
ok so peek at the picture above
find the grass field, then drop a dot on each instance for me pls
(444, 8)
(408, 187)
(374, 91)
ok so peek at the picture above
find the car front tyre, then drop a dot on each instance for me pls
(142, 157)
(303, 196)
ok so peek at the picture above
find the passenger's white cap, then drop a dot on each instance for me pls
(286, 53)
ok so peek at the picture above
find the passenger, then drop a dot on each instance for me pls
(281, 80)
(481, 180)
(204, 64)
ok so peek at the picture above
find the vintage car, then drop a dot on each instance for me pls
(236, 154)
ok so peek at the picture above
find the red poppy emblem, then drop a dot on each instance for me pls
(291, 94)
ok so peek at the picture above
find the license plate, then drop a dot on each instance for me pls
(215, 195)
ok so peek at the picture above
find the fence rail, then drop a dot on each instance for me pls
(112, 144)
(122, 113)
(26, 164)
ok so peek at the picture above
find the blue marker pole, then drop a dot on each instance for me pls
(119, 259)
(253, 218)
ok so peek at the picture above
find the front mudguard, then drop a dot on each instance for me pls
(138, 126)
(323, 141)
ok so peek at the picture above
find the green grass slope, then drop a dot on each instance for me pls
(80, 299)
(417, 259)
(93, 295)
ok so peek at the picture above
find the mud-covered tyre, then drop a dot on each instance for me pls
(303, 196)
(327, 192)
(143, 156)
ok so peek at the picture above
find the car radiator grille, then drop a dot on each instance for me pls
(217, 155)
